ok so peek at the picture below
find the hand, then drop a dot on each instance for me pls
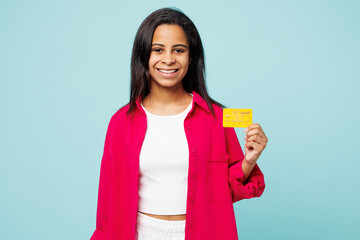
(255, 142)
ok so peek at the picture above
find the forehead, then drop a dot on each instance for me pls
(169, 33)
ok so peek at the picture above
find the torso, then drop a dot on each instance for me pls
(178, 109)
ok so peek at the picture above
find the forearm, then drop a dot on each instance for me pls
(247, 167)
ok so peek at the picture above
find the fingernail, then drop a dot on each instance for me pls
(245, 130)
(245, 138)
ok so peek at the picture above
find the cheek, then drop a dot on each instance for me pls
(185, 65)
(188, 61)
(152, 61)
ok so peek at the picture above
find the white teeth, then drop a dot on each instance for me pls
(165, 71)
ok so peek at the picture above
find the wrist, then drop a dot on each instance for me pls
(250, 163)
(247, 168)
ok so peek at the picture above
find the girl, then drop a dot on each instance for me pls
(170, 170)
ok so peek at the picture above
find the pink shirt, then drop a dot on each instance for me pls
(215, 178)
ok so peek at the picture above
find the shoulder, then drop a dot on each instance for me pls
(217, 108)
(218, 111)
(122, 112)
(207, 114)
(120, 115)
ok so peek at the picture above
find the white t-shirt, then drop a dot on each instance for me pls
(164, 165)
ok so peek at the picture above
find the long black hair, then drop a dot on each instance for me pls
(194, 79)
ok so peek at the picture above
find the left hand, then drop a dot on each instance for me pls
(255, 142)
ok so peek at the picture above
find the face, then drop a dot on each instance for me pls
(169, 57)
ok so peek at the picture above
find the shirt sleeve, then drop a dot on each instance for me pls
(104, 189)
(255, 184)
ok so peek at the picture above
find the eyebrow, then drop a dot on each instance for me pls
(176, 45)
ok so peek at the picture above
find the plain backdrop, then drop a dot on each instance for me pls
(65, 70)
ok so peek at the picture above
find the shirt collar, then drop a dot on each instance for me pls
(200, 101)
(196, 99)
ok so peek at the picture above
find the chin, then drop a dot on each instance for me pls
(168, 83)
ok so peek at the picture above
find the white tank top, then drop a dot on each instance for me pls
(164, 164)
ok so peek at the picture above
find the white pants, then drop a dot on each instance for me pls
(150, 228)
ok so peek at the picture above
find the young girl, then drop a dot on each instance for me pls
(170, 170)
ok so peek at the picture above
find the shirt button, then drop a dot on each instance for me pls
(188, 127)
(193, 176)
(194, 150)
(192, 200)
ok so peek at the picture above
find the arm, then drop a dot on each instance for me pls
(242, 186)
(104, 189)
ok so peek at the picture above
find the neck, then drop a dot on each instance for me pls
(167, 97)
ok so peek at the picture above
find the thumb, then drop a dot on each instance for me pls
(250, 154)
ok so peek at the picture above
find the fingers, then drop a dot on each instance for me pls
(255, 142)
(253, 126)
(254, 129)
(257, 139)
(254, 146)
(255, 132)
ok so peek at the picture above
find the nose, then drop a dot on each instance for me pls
(168, 58)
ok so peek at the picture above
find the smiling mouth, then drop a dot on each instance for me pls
(167, 71)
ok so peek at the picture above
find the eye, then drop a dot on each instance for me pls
(179, 50)
(157, 50)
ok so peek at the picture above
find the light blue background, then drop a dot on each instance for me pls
(64, 70)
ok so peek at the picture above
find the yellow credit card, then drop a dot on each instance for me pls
(237, 117)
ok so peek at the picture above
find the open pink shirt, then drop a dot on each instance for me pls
(215, 178)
